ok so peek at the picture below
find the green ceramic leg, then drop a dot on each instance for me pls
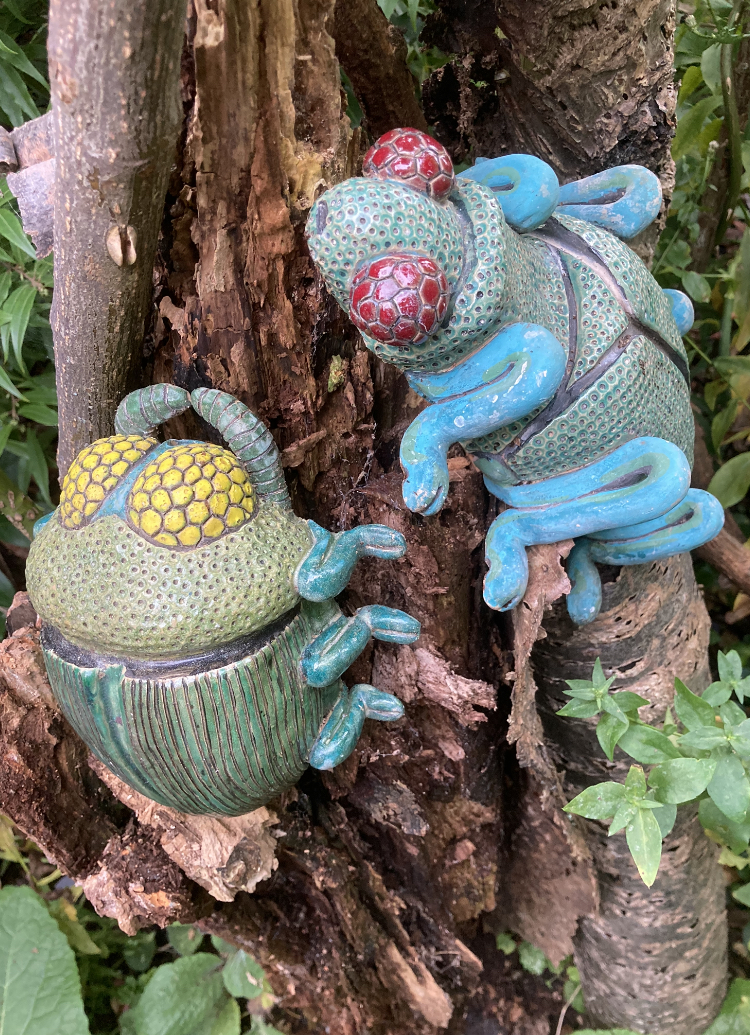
(337, 739)
(332, 652)
(327, 568)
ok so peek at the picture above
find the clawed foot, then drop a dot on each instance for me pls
(341, 732)
(425, 489)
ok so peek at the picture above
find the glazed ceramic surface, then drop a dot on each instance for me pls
(542, 342)
(189, 628)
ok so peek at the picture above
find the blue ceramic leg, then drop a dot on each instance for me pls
(585, 597)
(517, 370)
(526, 187)
(693, 522)
(637, 482)
(682, 309)
(341, 732)
(623, 200)
(326, 570)
(333, 651)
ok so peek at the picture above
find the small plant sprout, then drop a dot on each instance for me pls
(701, 757)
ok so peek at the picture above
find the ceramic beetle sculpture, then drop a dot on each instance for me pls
(189, 629)
(542, 343)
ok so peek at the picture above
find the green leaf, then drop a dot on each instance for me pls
(681, 779)
(180, 997)
(628, 701)
(7, 385)
(742, 689)
(18, 307)
(15, 99)
(40, 990)
(644, 841)
(229, 1020)
(609, 729)
(13, 232)
(505, 942)
(578, 709)
(730, 666)
(691, 80)
(185, 939)
(691, 123)
(66, 916)
(625, 813)
(665, 817)
(16, 57)
(597, 802)
(742, 894)
(704, 739)
(597, 676)
(243, 977)
(731, 714)
(729, 365)
(532, 959)
(729, 788)
(139, 951)
(647, 745)
(696, 286)
(731, 482)
(717, 693)
(40, 414)
(635, 783)
(710, 69)
(735, 835)
(722, 422)
(692, 711)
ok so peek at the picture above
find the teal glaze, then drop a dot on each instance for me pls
(200, 715)
(558, 363)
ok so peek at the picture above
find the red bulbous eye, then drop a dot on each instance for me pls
(399, 299)
(412, 157)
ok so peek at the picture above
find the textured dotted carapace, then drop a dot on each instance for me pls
(399, 299)
(412, 157)
(96, 471)
(190, 495)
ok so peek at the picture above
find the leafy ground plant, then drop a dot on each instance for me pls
(701, 756)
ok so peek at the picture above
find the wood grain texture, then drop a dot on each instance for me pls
(651, 959)
(114, 145)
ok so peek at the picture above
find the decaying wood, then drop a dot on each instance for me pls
(114, 75)
(652, 959)
(373, 54)
(582, 85)
(30, 171)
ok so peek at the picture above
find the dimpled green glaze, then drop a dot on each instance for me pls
(554, 359)
(188, 622)
(107, 588)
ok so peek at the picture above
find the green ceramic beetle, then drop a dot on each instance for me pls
(189, 628)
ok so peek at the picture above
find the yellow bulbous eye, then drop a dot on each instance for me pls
(199, 492)
(97, 470)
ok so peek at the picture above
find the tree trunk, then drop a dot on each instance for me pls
(365, 892)
(652, 959)
(114, 143)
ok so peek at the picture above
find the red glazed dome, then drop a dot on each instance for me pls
(399, 299)
(412, 157)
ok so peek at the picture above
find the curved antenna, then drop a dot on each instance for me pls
(141, 412)
(250, 441)
(525, 187)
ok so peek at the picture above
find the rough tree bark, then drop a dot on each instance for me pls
(365, 892)
(117, 116)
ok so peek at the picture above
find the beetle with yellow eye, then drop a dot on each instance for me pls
(188, 622)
